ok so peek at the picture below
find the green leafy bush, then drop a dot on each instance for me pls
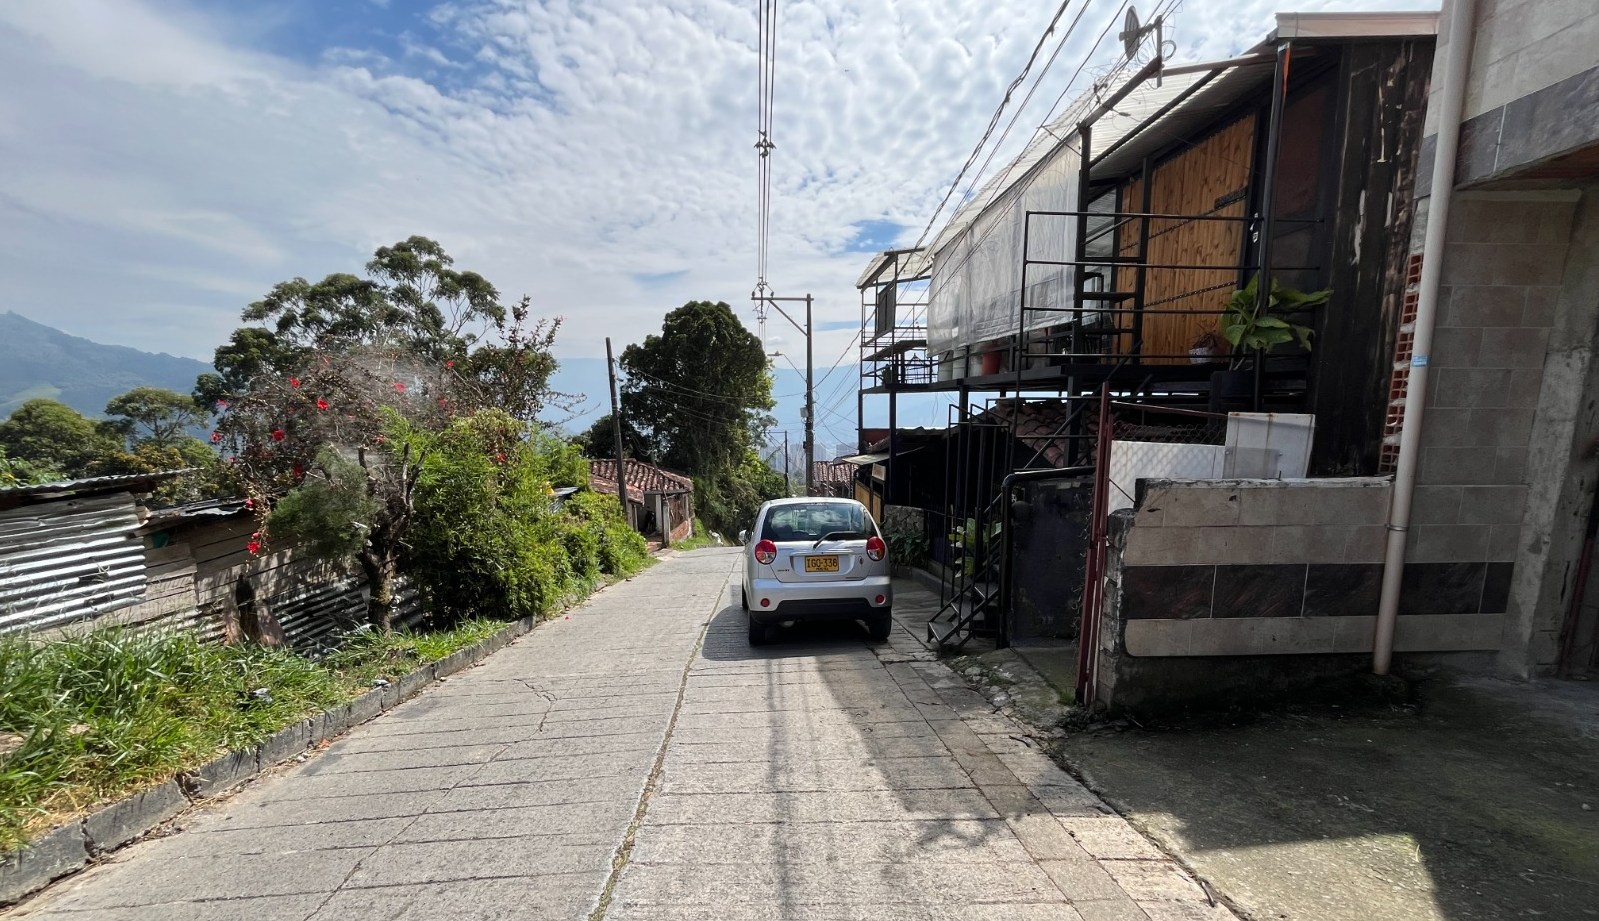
(490, 539)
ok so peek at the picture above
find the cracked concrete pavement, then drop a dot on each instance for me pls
(640, 760)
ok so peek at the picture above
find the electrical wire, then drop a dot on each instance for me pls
(766, 96)
(994, 120)
(1004, 179)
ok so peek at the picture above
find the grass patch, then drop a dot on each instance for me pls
(90, 718)
(702, 538)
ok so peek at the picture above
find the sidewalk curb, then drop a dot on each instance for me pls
(67, 849)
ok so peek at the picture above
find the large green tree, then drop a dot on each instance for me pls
(54, 440)
(154, 416)
(699, 392)
(599, 440)
(699, 395)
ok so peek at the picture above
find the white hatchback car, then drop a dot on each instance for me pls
(812, 559)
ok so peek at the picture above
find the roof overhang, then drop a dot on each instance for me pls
(913, 264)
(1394, 24)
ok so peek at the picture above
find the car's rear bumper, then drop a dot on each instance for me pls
(819, 600)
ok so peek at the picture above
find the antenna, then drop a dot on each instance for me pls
(1132, 35)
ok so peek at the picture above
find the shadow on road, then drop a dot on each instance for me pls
(1468, 807)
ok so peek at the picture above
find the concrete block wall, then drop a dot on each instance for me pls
(1522, 46)
(1531, 90)
(1503, 263)
(1271, 567)
(1506, 470)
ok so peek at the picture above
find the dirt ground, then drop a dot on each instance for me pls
(1464, 800)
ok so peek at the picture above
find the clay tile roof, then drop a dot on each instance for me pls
(830, 472)
(1039, 427)
(641, 478)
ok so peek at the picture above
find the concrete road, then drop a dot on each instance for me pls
(640, 761)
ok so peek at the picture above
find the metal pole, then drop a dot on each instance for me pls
(788, 482)
(616, 431)
(1452, 97)
(1140, 274)
(810, 404)
(1268, 223)
(893, 445)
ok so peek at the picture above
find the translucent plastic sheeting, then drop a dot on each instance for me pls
(977, 277)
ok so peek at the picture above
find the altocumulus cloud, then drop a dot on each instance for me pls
(163, 164)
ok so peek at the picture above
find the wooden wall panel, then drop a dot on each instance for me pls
(1210, 178)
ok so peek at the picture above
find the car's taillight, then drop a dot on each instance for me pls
(875, 548)
(765, 552)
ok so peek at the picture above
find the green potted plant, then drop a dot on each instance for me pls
(1252, 328)
(1248, 328)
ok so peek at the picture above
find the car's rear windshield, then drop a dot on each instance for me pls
(815, 520)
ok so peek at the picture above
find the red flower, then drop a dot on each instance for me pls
(399, 387)
(216, 437)
(321, 404)
(294, 382)
(298, 471)
(277, 435)
(443, 402)
(249, 503)
(449, 364)
(378, 439)
(253, 546)
(222, 404)
(233, 460)
(500, 458)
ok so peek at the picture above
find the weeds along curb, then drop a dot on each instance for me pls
(67, 849)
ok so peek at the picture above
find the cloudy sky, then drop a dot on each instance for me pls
(164, 162)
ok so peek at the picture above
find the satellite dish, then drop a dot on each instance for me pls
(1133, 33)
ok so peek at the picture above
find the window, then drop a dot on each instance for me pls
(814, 520)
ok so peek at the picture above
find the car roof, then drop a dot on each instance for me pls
(797, 500)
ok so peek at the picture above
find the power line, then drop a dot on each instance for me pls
(766, 96)
(994, 120)
(685, 390)
(972, 249)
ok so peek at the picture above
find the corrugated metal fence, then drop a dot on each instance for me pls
(65, 561)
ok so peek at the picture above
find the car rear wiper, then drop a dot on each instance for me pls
(836, 535)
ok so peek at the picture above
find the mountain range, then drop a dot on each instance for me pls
(39, 361)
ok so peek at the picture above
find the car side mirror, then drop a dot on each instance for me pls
(744, 536)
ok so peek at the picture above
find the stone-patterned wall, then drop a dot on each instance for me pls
(1533, 90)
(1260, 567)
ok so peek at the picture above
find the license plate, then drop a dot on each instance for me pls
(821, 564)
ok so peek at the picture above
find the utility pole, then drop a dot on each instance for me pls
(810, 404)
(810, 375)
(616, 430)
(788, 484)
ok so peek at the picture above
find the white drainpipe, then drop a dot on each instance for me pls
(1451, 102)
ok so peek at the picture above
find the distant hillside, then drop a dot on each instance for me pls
(37, 361)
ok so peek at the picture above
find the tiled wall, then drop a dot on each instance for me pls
(1532, 90)
(1256, 567)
